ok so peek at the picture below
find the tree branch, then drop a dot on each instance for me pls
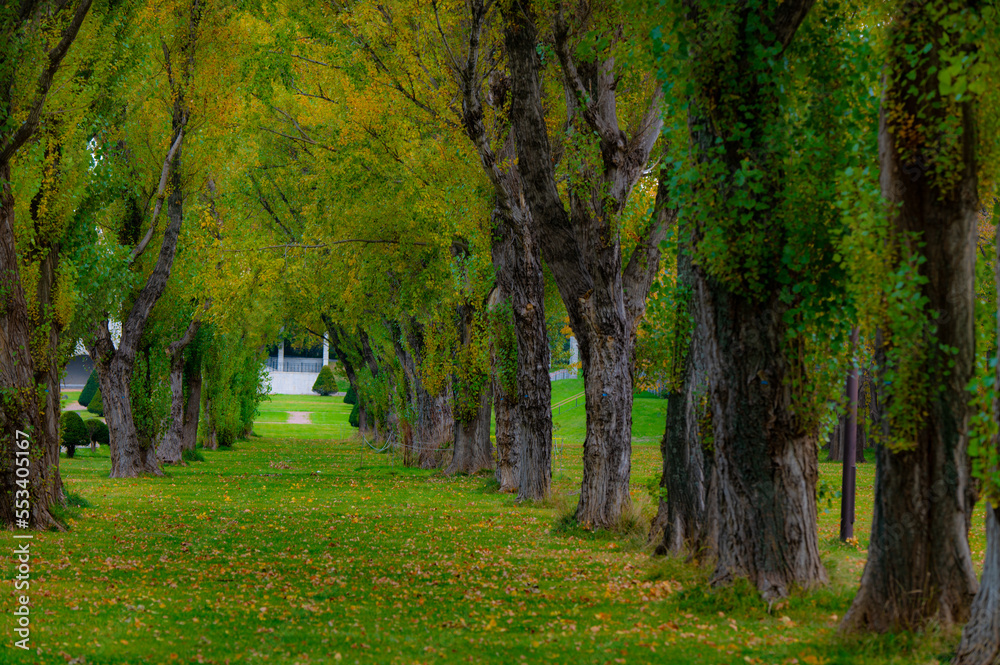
(179, 345)
(645, 260)
(444, 40)
(56, 55)
(164, 173)
(612, 138)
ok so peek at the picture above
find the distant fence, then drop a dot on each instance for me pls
(304, 365)
(562, 374)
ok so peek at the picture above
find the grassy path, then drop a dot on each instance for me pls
(294, 548)
(306, 551)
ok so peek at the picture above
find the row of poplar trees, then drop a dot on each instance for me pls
(797, 168)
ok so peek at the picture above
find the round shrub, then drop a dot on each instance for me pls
(98, 431)
(355, 417)
(351, 397)
(96, 405)
(89, 390)
(325, 383)
(74, 432)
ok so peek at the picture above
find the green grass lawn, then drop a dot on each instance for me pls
(290, 549)
(293, 551)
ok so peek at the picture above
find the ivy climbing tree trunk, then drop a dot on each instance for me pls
(47, 373)
(581, 245)
(765, 458)
(919, 565)
(26, 423)
(20, 417)
(473, 401)
(504, 367)
(434, 425)
(47, 326)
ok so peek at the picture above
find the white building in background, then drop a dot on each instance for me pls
(291, 375)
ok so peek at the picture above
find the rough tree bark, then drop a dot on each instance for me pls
(765, 458)
(980, 643)
(580, 245)
(20, 417)
(919, 565)
(502, 348)
(472, 450)
(25, 424)
(688, 517)
(981, 636)
(434, 426)
(172, 445)
(520, 280)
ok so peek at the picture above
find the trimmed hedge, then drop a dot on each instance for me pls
(89, 390)
(98, 431)
(96, 405)
(351, 397)
(355, 418)
(325, 383)
(74, 432)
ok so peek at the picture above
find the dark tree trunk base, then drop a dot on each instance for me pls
(767, 467)
(919, 565)
(473, 450)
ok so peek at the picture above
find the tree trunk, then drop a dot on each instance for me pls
(767, 465)
(192, 382)
(766, 460)
(508, 471)
(472, 406)
(169, 449)
(520, 280)
(48, 367)
(29, 439)
(473, 451)
(919, 565)
(21, 424)
(981, 636)
(503, 350)
(836, 445)
(688, 516)
(607, 448)
(605, 302)
(171, 446)
(368, 357)
(338, 342)
(211, 440)
(520, 276)
(130, 457)
(434, 427)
